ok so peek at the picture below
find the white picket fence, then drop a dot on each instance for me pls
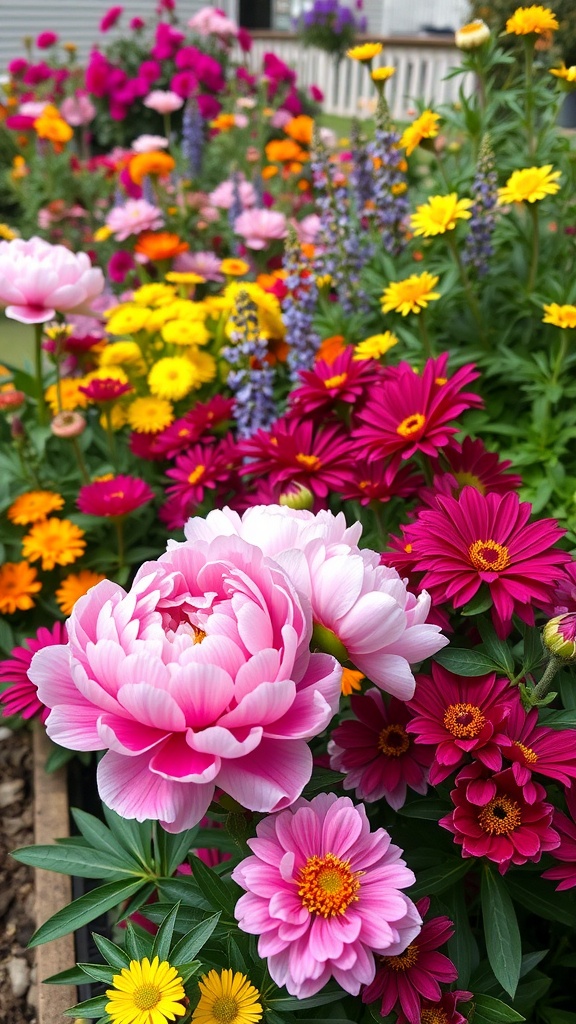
(421, 69)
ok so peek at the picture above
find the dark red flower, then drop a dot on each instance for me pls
(344, 380)
(565, 872)
(443, 1011)
(380, 481)
(469, 465)
(535, 748)
(105, 389)
(299, 452)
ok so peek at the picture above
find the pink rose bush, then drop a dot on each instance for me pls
(37, 280)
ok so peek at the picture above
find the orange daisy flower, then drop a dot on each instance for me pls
(75, 586)
(55, 542)
(17, 583)
(155, 163)
(160, 245)
(34, 506)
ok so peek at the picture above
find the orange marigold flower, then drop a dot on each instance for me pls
(55, 542)
(532, 20)
(280, 151)
(34, 506)
(75, 586)
(160, 245)
(155, 163)
(17, 583)
(52, 127)
(330, 348)
(233, 267)
(300, 129)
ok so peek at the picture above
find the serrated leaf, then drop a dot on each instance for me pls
(84, 909)
(191, 943)
(73, 860)
(218, 894)
(438, 879)
(113, 954)
(488, 1010)
(501, 931)
(163, 937)
(464, 662)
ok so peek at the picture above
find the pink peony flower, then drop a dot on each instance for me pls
(259, 227)
(110, 18)
(565, 872)
(163, 101)
(45, 40)
(404, 978)
(135, 216)
(207, 264)
(22, 697)
(323, 895)
(210, 22)
(78, 110)
(362, 611)
(149, 143)
(112, 498)
(223, 196)
(200, 676)
(37, 280)
(379, 758)
(307, 229)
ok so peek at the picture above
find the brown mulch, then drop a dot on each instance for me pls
(17, 973)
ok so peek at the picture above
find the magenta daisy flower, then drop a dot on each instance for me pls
(564, 598)
(500, 825)
(487, 539)
(381, 480)
(565, 872)
(323, 895)
(203, 467)
(535, 748)
(402, 980)
(469, 465)
(461, 717)
(411, 412)
(344, 380)
(443, 1011)
(299, 452)
(203, 418)
(113, 498)
(21, 698)
(105, 389)
(380, 759)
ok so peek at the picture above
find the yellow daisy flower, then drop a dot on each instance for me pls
(204, 365)
(150, 415)
(411, 295)
(172, 378)
(529, 185)
(375, 346)
(365, 52)
(227, 998)
(382, 74)
(55, 542)
(70, 394)
(185, 332)
(440, 214)
(155, 294)
(186, 309)
(531, 20)
(34, 506)
(102, 234)
(146, 993)
(560, 316)
(75, 586)
(566, 74)
(118, 352)
(7, 233)
(424, 127)
(127, 320)
(234, 267)
(17, 585)
(184, 277)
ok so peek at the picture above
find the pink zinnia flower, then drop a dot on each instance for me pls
(376, 753)
(487, 539)
(535, 748)
(203, 466)
(207, 264)
(22, 697)
(344, 380)
(205, 417)
(110, 18)
(78, 110)
(323, 895)
(443, 1011)
(404, 977)
(163, 101)
(469, 465)
(120, 264)
(116, 497)
(381, 480)
(260, 227)
(210, 21)
(37, 280)
(299, 452)
(461, 716)
(565, 872)
(135, 216)
(223, 196)
(564, 597)
(200, 676)
(500, 825)
(45, 40)
(105, 389)
(362, 611)
(412, 411)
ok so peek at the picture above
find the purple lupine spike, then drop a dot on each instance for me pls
(478, 247)
(298, 308)
(390, 207)
(193, 136)
(251, 378)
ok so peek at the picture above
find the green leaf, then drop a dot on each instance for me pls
(322, 779)
(495, 648)
(73, 976)
(7, 641)
(322, 999)
(84, 909)
(488, 1010)
(134, 836)
(89, 1008)
(115, 956)
(553, 1016)
(428, 810)
(100, 837)
(188, 969)
(58, 757)
(185, 889)
(174, 849)
(191, 943)
(558, 719)
(462, 947)
(218, 894)
(138, 942)
(539, 897)
(137, 902)
(100, 972)
(481, 602)
(464, 662)
(73, 860)
(163, 938)
(439, 878)
(501, 931)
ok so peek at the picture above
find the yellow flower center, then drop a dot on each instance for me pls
(146, 997)
(327, 886)
(464, 720)
(225, 1009)
(309, 461)
(501, 816)
(404, 961)
(488, 556)
(196, 474)
(433, 1017)
(411, 425)
(198, 634)
(530, 756)
(336, 381)
(470, 480)
(393, 741)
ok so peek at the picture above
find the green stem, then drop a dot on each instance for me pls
(119, 527)
(562, 350)
(80, 460)
(541, 688)
(110, 434)
(529, 61)
(42, 411)
(473, 303)
(535, 247)
(167, 126)
(378, 509)
(425, 336)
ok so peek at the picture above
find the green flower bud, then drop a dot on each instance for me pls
(297, 497)
(327, 641)
(559, 636)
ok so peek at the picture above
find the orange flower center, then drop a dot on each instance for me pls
(309, 461)
(488, 556)
(530, 756)
(198, 635)
(393, 741)
(336, 381)
(146, 997)
(501, 816)
(433, 1016)
(411, 425)
(464, 720)
(470, 480)
(327, 886)
(196, 474)
(404, 961)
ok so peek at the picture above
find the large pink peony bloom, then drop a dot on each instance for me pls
(260, 227)
(362, 611)
(37, 280)
(200, 676)
(323, 895)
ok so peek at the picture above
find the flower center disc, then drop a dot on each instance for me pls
(336, 381)
(196, 474)
(393, 741)
(464, 720)
(309, 461)
(501, 816)
(530, 756)
(433, 1017)
(327, 886)
(404, 961)
(225, 1010)
(146, 997)
(488, 556)
(411, 425)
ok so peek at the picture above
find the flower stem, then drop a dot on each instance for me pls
(42, 411)
(529, 61)
(110, 434)
(425, 336)
(559, 362)
(473, 303)
(541, 688)
(80, 460)
(119, 527)
(535, 247)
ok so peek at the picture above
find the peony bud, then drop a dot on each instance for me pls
(559, 636)
(472, 35)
